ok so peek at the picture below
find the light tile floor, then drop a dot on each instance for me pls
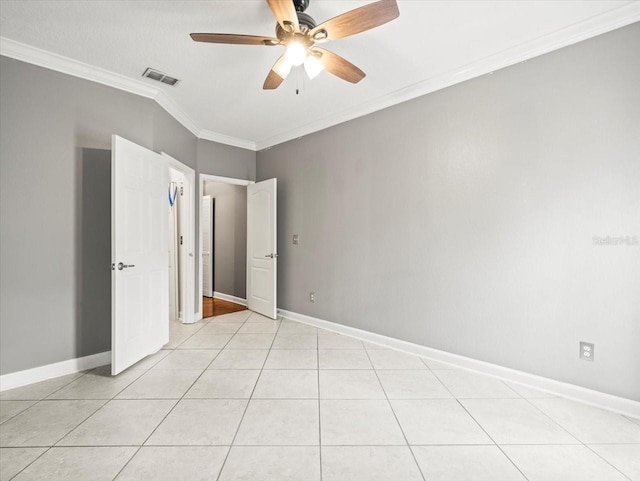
(243, 397)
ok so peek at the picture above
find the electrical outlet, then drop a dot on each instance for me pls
(586, 351)
(312, 296)
(296, 239)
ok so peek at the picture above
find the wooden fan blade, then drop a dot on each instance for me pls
(339, 67)
(356, 21)
(285, 14)
(277, 74)
(230, 38)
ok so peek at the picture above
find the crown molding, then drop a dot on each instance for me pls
(59, 63)
(617, 18)
(227, 139)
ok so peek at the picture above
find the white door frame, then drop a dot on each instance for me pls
(210, 178)
(187, 227)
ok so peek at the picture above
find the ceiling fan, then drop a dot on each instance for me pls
(299, 33)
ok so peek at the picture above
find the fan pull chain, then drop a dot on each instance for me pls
(299, 80)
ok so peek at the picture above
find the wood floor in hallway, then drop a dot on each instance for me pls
(217, 307)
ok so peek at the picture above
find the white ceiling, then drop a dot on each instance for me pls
(432, 44)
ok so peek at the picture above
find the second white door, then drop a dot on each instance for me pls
(262, 256)
(207, 242)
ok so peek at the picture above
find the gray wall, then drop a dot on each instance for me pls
(463, 220)
(226, 160)
(230, 239)
(93, 286)
(48, 283)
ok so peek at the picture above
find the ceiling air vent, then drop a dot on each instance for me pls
(159, 76)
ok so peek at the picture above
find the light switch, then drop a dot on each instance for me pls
(295, 239)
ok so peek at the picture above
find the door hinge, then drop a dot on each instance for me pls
(180, 240)
(181, 191)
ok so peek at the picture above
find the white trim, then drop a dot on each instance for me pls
(227, 139)
(570, 391)
(226, 180)
(227, 297)
(202, 179)
(187, 260)
(611, 20)
(43, 58)
(59, 63)
(50, 371)
(591, 27)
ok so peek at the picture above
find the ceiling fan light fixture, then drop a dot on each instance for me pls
(313, 66)
(283, 68)
(299, 33)
(296, 53)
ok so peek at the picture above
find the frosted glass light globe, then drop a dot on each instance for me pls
(296, 53)
(313, 66)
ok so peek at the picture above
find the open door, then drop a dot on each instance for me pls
(139, 247)
(207, 243)
(262, 258)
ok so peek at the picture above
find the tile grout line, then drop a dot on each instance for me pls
(48, 448)
(324, 399)
(35, 401)
(144, 371)
(607, 461)
(37, 457)
(270, 349)
(246, 408)
(490, 437)
(394, 414)
(575, 437)
(293, 445)
(202, 327)
(185, 339)
(174, 405)
(481, 427)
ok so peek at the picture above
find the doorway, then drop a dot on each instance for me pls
(175, 194)
(260, 241)
(223, 234)
(181, 258)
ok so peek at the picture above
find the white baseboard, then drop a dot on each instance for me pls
(227, 297)
(599, 399)
(50, 371)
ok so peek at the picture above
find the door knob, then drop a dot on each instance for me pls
(124, 266)
(272, 256)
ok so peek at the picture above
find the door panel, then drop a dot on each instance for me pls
(262, 259)
(207, 267)
(139, 230)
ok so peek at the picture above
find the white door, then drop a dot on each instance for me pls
(262, 258)
(207, 266)
(139, 236)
